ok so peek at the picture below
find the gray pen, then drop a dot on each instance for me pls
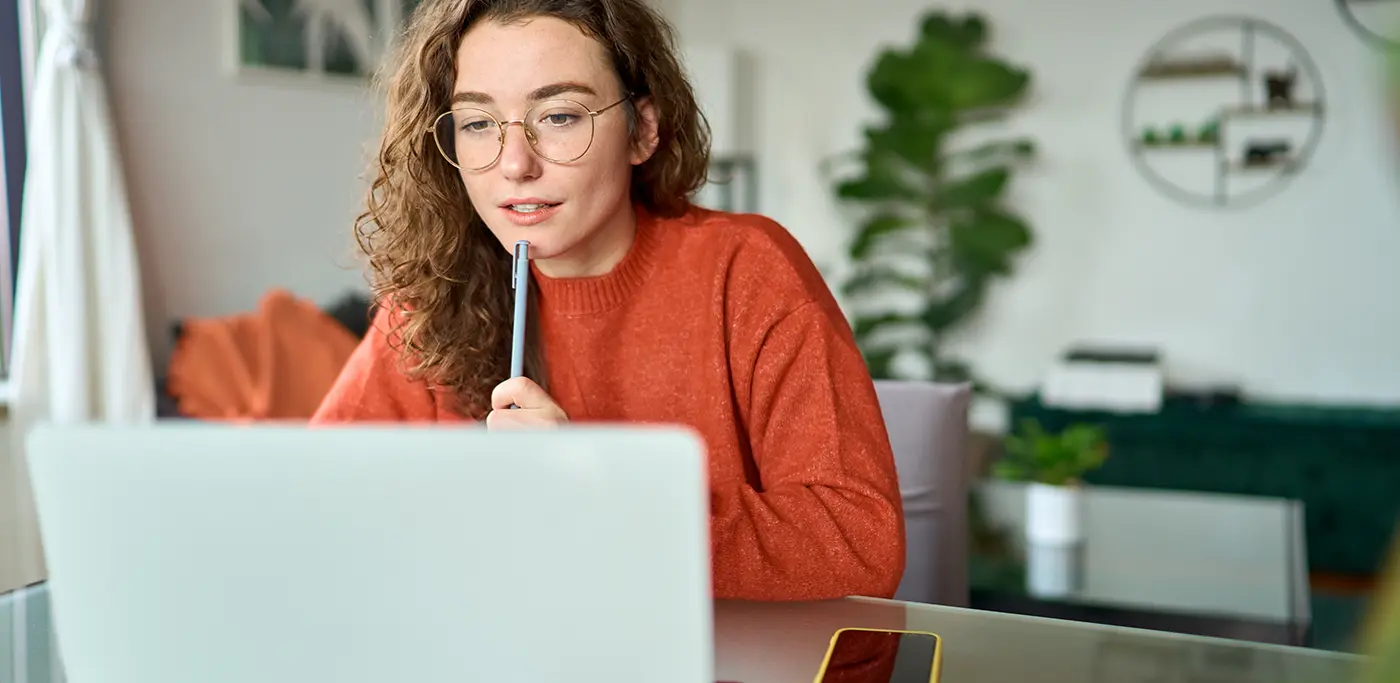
(520, 282)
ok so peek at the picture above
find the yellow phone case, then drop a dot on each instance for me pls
(934, 672)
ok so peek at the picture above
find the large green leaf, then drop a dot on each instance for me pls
(874, 277)
(913, 137)
(921, 79)
(985, 241)
(880, 182)
(945, 312)
(975, 190)
(943, 76)
(864, 325)
(1002, 151)
(889, 81)
(942, 65)
(874, 230)
(969, 32)
(985, 83)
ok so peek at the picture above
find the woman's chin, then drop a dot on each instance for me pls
(549, 259)
(541, 247)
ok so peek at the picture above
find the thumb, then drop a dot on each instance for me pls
(519, 391)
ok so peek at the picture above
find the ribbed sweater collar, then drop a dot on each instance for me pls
(584, 295)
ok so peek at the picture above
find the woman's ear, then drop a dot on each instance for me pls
(648, 135)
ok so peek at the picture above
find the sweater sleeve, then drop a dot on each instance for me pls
(826, 521)
(372, 387)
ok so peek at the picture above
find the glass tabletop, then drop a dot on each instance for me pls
(784, 643)
(1237, 561)
(27, 652)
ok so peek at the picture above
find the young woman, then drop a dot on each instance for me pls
(571, 124)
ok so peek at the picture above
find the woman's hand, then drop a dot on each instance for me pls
(535, 407)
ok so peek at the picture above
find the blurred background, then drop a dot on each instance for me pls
(1157, 240)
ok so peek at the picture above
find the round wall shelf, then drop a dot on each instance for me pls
(1223, 112)
(1376, 21)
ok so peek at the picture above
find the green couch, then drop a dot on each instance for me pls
(1342, 462)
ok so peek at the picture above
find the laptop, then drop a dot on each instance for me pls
(278, 554)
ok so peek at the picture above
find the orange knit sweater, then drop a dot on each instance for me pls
(719, 322)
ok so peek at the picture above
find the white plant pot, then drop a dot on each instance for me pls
(1054, 539)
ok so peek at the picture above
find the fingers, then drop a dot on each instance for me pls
(536, 408)
(501, 420)
(519, 391)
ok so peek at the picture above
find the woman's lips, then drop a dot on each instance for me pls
(533, 213)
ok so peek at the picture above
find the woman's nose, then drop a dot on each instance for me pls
(518, 158)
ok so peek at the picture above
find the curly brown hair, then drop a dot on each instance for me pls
(432, 260)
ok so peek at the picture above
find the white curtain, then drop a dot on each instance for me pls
(80, 352)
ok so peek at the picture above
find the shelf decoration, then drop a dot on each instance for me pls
(1377, 22)
(1239, 91)
(1197, 67)
(732, 186)
(1206, 134)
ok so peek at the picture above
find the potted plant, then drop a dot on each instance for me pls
(935, 227)
(1379, 636)
(1391, 89)
(1380, 633)
(1052, 464)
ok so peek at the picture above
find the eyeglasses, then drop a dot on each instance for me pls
(560, 131)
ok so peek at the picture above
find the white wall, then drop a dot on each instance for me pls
(1291, 298)
(242, 185)
(237, 185)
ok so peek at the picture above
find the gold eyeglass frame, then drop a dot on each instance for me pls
(503, 126)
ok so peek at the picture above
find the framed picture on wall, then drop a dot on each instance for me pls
(732, 184)
(317, 39)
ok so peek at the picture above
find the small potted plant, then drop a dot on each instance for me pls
(1053, 465)
(1177, 134)
(1209, 133)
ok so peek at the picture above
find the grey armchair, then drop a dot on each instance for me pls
(928, 429)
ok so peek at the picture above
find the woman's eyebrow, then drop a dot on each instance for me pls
(541, 93)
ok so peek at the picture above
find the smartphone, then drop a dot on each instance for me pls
(862, 655)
